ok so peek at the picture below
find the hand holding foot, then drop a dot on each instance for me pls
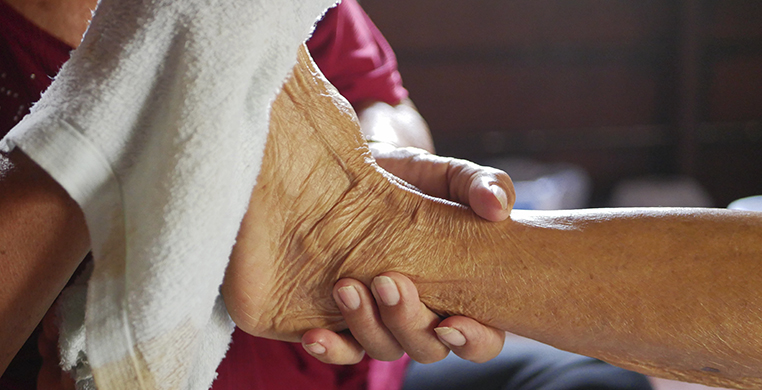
(409, 325)
(385, 327)
(322, 209)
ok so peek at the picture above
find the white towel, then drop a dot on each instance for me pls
(156, 127)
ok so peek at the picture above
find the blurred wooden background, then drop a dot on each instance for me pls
(623, 88)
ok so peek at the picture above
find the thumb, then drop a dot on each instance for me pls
(488, 191)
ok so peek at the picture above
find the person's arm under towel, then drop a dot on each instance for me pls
(43, 238)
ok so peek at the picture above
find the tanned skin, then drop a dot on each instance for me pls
(667, 292)
(43, 240)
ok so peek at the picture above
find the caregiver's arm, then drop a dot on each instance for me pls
(43, 238)
(400, 125)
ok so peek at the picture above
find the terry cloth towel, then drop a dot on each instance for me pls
(156, 127)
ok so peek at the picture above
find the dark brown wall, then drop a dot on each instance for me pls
(622, 88)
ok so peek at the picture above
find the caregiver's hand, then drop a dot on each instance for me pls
(396, 321)
(488, 191)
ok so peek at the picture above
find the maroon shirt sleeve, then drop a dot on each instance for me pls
(355, 57)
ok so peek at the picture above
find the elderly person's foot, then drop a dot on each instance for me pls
(322, 210)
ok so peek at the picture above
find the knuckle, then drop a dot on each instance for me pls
(480, 351)
(401, 321)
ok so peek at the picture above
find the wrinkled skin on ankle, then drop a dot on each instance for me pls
(322, 209)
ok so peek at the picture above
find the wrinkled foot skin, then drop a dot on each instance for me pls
(321, 210)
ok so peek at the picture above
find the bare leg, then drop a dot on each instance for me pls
(671, 293)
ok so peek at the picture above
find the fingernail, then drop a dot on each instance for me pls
(349, 297)
(451, 336)
(500, 195)
(315, 348)
(387, 290)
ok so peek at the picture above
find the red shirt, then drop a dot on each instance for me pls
(355, 57)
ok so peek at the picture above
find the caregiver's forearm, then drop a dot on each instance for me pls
(671, 292)
(399, 125)
(43, 238)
